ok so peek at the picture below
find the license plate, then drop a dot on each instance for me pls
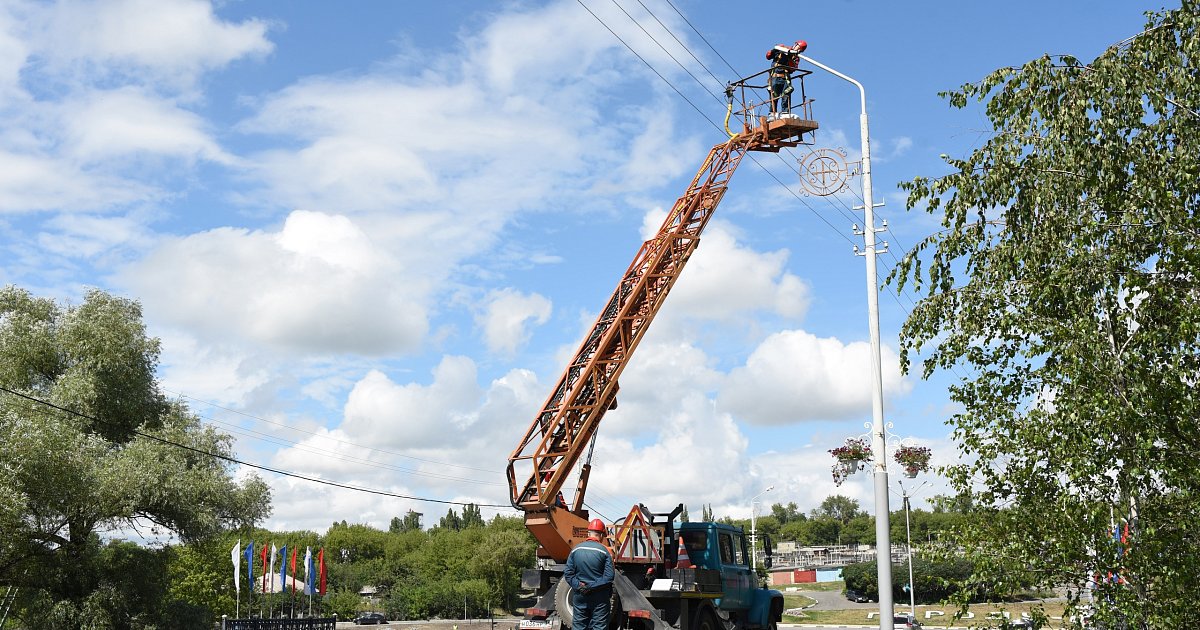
(534, 624)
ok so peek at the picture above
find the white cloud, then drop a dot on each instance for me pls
(13, 53)
(506, 315)
(794, 376)
(415, 415)
(108, 124)
(38, 182)
(725, 279)
(663, 372)
(320, 284)
(899, 146)
(171, 40)
(449, 439)
(85, 236)
(699, 456)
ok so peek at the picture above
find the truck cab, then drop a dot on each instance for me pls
(724, 550)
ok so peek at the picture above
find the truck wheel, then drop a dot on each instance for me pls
(563, 597)
(706, 620)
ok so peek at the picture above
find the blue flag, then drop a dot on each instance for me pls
(283, 569)
(250, 562)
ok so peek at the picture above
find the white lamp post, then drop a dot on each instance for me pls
(754, 530)
(883, 540)
(912, 588)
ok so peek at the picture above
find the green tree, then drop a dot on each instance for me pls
(838, 507)
(108, 452)
(796, 531)
(451, 521)
(499, 560)
(860, 531)
(821, 530)
(410, 522)
(786, 514)
(472, 516)
(706, 513)
(1065, 282)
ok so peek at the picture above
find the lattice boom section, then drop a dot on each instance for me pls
(588, 386)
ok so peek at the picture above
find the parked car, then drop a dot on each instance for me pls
(905, 621)
(370, 618)
(855, 596)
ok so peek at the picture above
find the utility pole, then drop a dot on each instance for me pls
(883, 540)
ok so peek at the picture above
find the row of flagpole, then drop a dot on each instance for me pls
(314, 572)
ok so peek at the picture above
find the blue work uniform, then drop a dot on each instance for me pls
(783, 62)
(589, 572)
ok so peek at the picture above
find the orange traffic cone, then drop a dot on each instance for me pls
(684, 561)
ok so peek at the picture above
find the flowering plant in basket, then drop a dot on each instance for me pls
(851, 458)
(914, 459)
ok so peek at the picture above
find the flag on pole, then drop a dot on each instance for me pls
(283, 569)
(321, 562)
(308, 571)
(263, 561)
(250, 565)
(236, 556)
(273, 552)
(294, 550)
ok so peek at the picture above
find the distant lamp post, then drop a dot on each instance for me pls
(905, 494)
(754, 530)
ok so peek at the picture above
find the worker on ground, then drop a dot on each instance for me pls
(784, 59)
(589, 573)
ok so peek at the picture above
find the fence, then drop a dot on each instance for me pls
(329, 623)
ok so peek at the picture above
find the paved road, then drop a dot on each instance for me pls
(834, 600)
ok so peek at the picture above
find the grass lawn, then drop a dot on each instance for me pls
(985, 615)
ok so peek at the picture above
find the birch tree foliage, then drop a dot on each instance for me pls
(1063, 290)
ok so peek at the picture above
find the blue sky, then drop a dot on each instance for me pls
(370, 234)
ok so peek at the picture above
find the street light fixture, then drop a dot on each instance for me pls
(882, 521)
(754, 531)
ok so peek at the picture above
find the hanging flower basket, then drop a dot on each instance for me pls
(851, 458)
(914, 459)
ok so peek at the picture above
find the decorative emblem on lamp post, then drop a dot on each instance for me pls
(824, 172)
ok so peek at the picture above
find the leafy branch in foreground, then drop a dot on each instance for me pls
(1075, 228)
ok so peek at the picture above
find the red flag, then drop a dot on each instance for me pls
(294, 550)
(264, 566)
(321, 564)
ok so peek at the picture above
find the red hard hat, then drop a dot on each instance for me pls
(596, 525)
(800, 46)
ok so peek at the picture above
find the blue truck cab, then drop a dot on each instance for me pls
(724, 550)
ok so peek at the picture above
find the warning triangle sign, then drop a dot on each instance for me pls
(637, 541)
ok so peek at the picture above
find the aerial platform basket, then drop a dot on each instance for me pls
(771, 125)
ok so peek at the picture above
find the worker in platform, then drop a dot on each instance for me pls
(589, 572)
(784, 59)
(559, 501)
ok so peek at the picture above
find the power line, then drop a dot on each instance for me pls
(234, 460)
(681, 44)
(333, 439)
(279, 441)
(845, 210)
(702, 38)
(709, 120)
(711, 93)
